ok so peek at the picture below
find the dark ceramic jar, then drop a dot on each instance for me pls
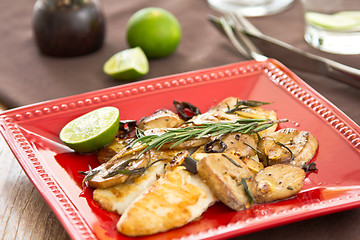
(68, 28)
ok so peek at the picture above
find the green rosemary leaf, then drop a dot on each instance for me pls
(236, 109)
(181, 141)
(250, 128)
(177, 136)
(284, 146)
(125, 171)
(250, 120)
(88, 175)
(247, 190)
(120, 168)
(262, 127)
(239, 106)
(256, 150)
(232, 161)
(206, 131)
(251, 103)
(136, 171)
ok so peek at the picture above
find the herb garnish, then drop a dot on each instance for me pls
(247, 190)
(121, 169)
(247, 103)
(256, 150)
(180, 135)
(284, 146)
(232, 161)
(88, 175)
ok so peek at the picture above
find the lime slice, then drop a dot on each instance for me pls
(331, 22)
(129, 64)
(355, 15)
(92, 130)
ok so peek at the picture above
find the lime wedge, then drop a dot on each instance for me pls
(92, 130)
(128, 64)
(331, 22)
(355, 15)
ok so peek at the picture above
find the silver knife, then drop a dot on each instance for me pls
(296, 58)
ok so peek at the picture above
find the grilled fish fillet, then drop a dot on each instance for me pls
(172, 201)
(119, 197)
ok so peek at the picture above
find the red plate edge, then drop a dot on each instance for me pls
(60, 212)
(302, 83)
(46, 194)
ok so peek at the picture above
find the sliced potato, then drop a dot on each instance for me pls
(160, 119)
(288, 146)
(223, 173)
(241, 145)
(253, 165)
(277, 182)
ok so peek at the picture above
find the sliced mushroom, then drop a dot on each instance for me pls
(108, 175)
(277, 182)
(116, 146)
(288, 146)
(160, 119)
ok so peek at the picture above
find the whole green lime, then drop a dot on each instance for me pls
(155, 30)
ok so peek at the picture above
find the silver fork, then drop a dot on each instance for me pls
(240, 41)
(241, 33)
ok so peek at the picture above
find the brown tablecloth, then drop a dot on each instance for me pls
(28, 77)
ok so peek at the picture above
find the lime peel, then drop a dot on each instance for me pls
(155, 30)
(128, 64)
(338, 21)
(92, 130)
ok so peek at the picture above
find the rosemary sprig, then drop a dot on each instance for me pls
(88, 175)
(256, 150)
(250, 103)
(247, 190)
(137, 171)
(232, 161)
(179, 135)
(247, 103)
(288, 149)
(232, 110)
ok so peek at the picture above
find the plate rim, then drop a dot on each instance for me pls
(76, 225)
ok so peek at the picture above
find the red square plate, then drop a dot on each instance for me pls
(32, 134)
